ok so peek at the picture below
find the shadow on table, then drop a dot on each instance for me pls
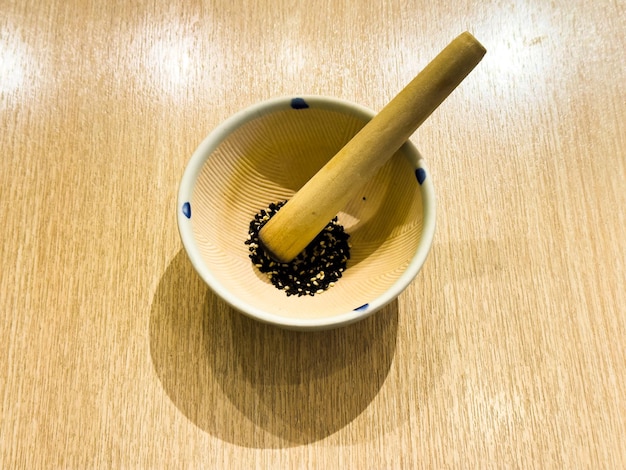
(256, 385)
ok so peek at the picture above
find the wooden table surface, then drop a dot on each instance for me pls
(507, 351)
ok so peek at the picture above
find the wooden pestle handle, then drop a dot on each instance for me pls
(305, 215)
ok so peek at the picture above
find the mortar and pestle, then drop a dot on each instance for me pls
(328, 158)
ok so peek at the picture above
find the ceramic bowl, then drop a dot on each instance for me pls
(264, 154)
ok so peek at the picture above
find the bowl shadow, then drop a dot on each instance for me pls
(256, 385)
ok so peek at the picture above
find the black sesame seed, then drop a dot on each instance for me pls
(314, 270)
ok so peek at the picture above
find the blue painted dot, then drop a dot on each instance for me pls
(420, 174)
(299, 103)
(187, 210)
(361, 308)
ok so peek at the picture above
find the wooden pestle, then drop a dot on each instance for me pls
(299, 221)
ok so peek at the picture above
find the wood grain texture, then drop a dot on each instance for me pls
(508, 350)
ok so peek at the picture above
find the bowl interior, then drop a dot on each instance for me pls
(265, 156)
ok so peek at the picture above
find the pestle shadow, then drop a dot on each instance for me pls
(376, 223)
(256, 385)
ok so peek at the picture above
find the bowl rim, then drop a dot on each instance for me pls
(215, 138)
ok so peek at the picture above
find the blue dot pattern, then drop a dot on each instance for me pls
(187, 210)
(361, 308)
(420, 174)
(299, 103)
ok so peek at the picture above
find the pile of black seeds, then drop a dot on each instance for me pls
(314, 270)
